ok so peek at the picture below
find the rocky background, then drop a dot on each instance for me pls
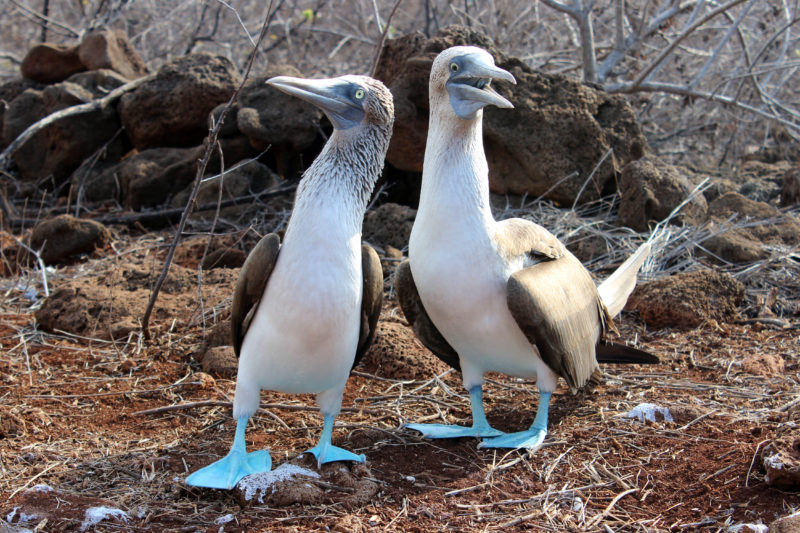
(132, 159)
(570, 156)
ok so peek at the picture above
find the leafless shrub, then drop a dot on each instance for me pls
(710, 79)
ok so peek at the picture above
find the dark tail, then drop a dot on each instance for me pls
(614, 352)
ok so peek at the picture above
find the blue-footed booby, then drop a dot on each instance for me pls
(304, 312)
(497, 296)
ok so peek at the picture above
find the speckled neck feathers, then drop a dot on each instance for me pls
(346, 169)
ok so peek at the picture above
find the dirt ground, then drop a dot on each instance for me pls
(76, 434)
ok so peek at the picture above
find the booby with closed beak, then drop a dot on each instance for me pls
(305, 311)
(497, 296)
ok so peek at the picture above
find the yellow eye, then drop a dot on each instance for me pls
(453, 67)
(360, 94)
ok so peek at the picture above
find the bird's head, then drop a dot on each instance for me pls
(465, 74)
(347, 101)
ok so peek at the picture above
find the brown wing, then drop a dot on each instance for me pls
(250, 286)
(418, 318)
(517, 237)
(558, 308)
(371, 300)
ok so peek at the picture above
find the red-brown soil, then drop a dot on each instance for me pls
(70, 418)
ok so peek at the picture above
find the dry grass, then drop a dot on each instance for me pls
(124, 422)
(80, 433)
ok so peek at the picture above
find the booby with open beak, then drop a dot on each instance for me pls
(305, 311)
(497, 296)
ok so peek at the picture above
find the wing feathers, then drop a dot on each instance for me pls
(516, 237)
(556, 305)
(614, 352)
(371, 299)
(615, 290)
(250, 286)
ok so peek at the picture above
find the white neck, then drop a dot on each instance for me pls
(456, 175)
(335, 189)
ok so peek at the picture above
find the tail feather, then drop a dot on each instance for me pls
(614, 352)
(615, 290)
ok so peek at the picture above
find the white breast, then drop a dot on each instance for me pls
(304, 334)
(461, 281)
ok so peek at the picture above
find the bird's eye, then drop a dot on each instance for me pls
(360, 94)
(453, 67)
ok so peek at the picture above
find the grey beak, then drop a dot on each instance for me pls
(470, 88)
(330, 95)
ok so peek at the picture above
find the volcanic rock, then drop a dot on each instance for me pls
(781, 461)
(51, 63)
(651, 189)
(57, 150)
(268, 116)
(111, 49)
(389, 224)
(173, 108)
(767, 226)
(790, 192)
(559, 125)
(786, 524)
(9, 91)
(687, 300)
(65, 236)
(761, 181)
(249, 178)
(396, 353)
(220, 361)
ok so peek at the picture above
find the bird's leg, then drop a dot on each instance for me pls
(530, 439)
(480, 426)
(325, 452)
(226, 473)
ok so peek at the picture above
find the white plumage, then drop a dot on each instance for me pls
(506, 296)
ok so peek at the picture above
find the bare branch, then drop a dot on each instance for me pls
(45, 13)
(583, 18)
(377, 15)
(767, 45)
(11, 57)
(39, 261)
(558, 6)
(619, 24)
(241, 22)
(100, 103)
(379, 48)
(670, 88)
(720, 45)
(633, 40)
(42, 18)
(211, 142)
(645, 74)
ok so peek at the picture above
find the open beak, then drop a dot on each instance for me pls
(470, 89)
(330, 95)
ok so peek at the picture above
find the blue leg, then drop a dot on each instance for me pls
(480, 426)
(533, 438)
(325, 452)
(226, 473)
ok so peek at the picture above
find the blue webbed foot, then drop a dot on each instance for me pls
(445, 431)
(328, 453)
(480, 426)
(325, 452)
(228, 471)
(530, 439)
